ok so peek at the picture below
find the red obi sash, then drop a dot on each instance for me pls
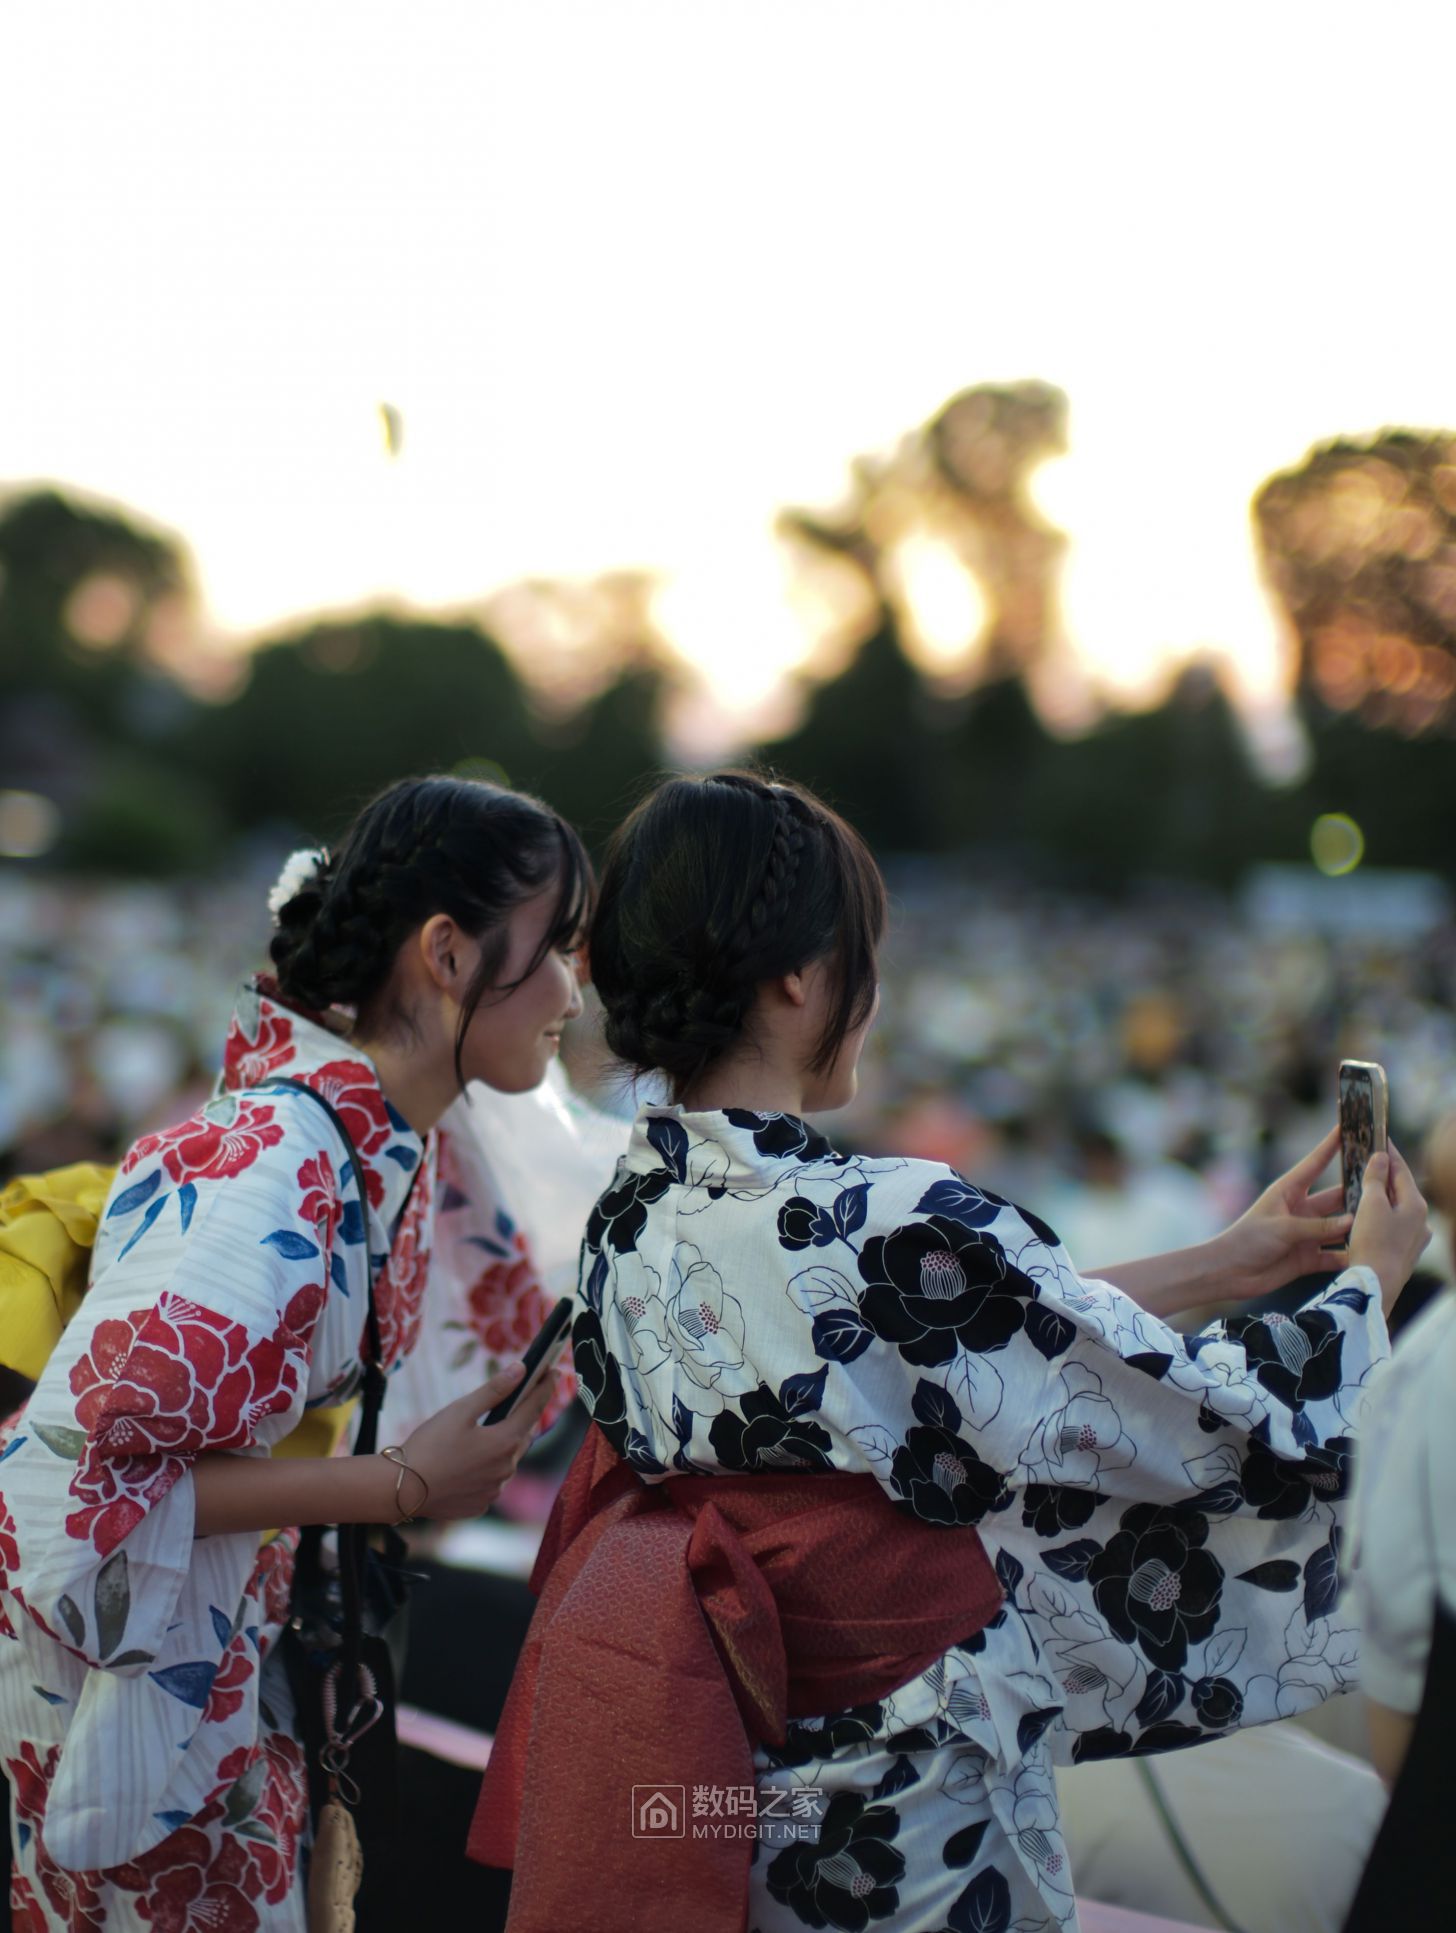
(680, 1624)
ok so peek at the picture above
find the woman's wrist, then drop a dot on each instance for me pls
(259, 1493)
(1165, 1285)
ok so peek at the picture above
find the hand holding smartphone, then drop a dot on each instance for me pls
(1364, 1122)
(547, 1347)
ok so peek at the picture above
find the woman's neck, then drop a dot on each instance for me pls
(414, 1083)
(756, 1085)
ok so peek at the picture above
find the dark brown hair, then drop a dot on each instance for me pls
(712, 886)
(427, 846)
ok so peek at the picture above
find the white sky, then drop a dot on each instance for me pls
(639, 272)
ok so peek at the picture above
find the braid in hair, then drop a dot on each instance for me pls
(712, 887)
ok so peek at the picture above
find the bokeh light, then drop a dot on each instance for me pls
(29, 825)
(1336, 844)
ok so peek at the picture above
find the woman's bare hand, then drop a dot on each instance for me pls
(1288, 1230)
(1391, 1229)
(465, 1464)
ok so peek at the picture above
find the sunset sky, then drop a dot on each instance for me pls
(637, 273)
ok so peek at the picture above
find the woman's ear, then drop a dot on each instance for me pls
(442, 953)
(792, 986)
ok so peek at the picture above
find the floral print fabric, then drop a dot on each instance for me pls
(145, 1725)
(1164, 1511)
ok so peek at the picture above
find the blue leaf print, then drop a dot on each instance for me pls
(960, 1201)
(133, 1197)
(406, 1157)
(1048, 1331)
(596, 1284)
(670, 1139)
(504, 1226)
(173, 1821)
(935, 1407)
(11, 1447)
(1072, 1560)
(1163, 1695)
(192, 1683)
(147, 1220)
(1010, 1571)
(840, 1335)
(901, 1775)
(290, 1243)
(849, 1209)
(51, 1697)
(1351, 1298)
(961, 1848)
(639, 1455)
(1322, 1579)
(23, 1834)
(1279, 1574)
(1152, 1363)
(985, 1905)
(397, 1120)
(801, 1395)
(186, 1202)
(338, 1273)
(1033, 1724)
(351, 1223)
(1302, 1430)
(682, 1420)
(223, 1626)
(452, 1198)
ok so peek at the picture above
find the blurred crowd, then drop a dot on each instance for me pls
(1135, 1070)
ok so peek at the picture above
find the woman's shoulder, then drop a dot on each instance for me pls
(902, 1189)
(273, 1131)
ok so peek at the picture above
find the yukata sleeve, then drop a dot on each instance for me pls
(211, 1274)
(486, 1294)
(1165, 1512)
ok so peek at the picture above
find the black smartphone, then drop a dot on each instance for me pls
(540, 1359)
(1364, 1117)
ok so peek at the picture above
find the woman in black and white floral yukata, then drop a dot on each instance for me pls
(1164, 1511)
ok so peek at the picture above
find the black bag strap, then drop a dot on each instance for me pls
(353, 1539)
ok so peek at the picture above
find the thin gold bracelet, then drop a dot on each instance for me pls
(395, 1455)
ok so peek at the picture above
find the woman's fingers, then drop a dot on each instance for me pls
(1329, 1201)
(1308, 1170)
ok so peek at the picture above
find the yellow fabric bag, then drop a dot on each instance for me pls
(48, 1228)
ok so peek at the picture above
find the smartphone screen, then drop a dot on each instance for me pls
(1362, 1123)
(547, 1346)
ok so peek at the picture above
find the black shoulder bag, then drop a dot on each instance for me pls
(343, 1645)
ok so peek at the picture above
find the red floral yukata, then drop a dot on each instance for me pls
(145, 1721)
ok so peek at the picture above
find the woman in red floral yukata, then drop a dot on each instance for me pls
(145, 1718)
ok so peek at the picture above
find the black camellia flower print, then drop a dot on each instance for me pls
(1218, 1702)
(783, 1135)
(804, 1742)
(600, 1379)
(772, 1433)
(1279, 1487)
(941, 1480)
(852, 1875)
(1156, 1585)
(1052, 1508)
(620, 1215)
(935, 1285)
(1297, 1358)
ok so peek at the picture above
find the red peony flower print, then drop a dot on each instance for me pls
(188, 1380)
(9, 1562)
(271, 1585)
(224, 1138)
(182, 1889)
(27, 1915)
(506, 1304)
(234, 1673)
(352, 1088)
(30, 1778)
(73, 1897)
(399, 1293)
(321, 1206)
(247, 1062)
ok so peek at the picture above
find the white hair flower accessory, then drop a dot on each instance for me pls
(300, 869)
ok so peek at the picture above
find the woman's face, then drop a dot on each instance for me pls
(513, 1038)
(839, 1083)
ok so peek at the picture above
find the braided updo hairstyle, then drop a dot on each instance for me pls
(427, 846)
(712, 886)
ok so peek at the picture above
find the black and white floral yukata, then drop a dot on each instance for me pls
(1164, 1511)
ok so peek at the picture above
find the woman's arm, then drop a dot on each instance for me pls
(1293, 1229)
(463, 1465)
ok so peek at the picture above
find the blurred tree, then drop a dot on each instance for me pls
(1359, 542)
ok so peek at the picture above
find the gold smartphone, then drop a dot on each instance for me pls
(1364, 1120)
